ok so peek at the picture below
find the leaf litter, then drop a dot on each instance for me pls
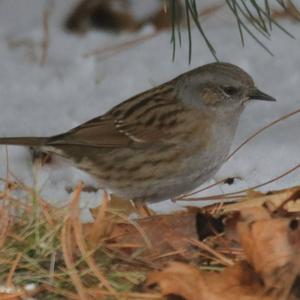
(243, 250)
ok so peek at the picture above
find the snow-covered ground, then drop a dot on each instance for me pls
(70, 89)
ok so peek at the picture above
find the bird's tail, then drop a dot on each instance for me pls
(24, 141)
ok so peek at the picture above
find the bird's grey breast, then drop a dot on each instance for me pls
(209, 156)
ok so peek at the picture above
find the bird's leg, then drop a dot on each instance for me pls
(142, 209)
(43, 158)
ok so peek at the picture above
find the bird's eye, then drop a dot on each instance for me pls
(230, 90)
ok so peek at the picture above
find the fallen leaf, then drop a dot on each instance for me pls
(270, 272)
(276, 198)
(166, 233)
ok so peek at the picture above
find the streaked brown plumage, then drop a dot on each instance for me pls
(163, 142)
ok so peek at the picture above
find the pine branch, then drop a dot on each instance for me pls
(251, 19)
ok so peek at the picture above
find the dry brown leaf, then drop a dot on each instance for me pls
(290, 197)
(272, 247)
(178, 279)
(270, 272)
(166, 233)
(237, 282)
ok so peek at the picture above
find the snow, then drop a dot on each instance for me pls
(71, 88)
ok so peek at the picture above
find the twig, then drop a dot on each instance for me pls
(284, 117)
(108, 51)
(46, 34)
(238, 194)
(200, 190)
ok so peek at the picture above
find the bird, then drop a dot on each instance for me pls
(163, 142)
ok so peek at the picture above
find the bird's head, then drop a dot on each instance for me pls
(219, 85)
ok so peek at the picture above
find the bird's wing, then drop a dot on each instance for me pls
(99, 133)
(134, 122)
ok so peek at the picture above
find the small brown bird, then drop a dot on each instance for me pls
(164, 142)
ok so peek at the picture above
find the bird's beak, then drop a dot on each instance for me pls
(256, 94)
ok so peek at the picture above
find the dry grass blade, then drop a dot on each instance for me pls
(45, 210)
(4, 225)
(49, 251)
(98, 229)
(65, 293)
(79, 237)
(137, 227)
(9, 280)
(224, 260)
(65, 242)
